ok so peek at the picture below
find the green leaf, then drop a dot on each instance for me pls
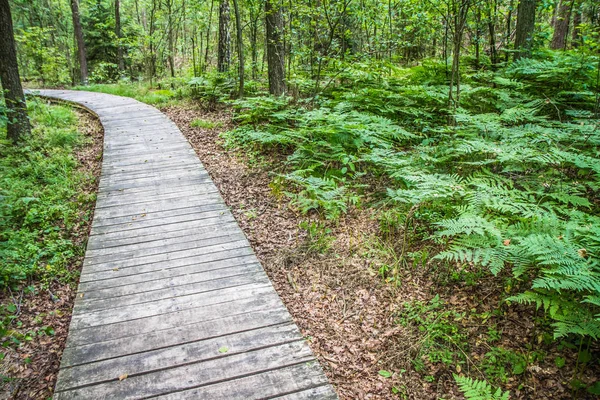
(385, 374)
(223, 349)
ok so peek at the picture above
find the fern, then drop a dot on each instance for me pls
(474, 389)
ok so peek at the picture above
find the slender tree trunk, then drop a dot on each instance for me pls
(120, 61)
(253, 45)
(561, 25)
(576, 37)
(525, 28)
(18, 123)
(478, 35)
(83, 71)
(275, 50)
(508, 30)
(212, 3)
(170, 38)
(224, 52)
(240, 47)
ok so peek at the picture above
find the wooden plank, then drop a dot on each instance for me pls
(140, 232)
(214, 370)
(103, 246)
(132, 336)
(323, 392)
(152, 295)
(184, 278)
(163, 307)
(156, 220)
(306, 378)
(144, 255)
(167, 270)
(173, 356)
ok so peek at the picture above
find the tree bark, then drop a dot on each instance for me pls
(120, 61)
(525, 27)
(18, 123)
(275, 50)
(83, 71)
(576, 38)
(240, 47)
(170, 39)
(224, 52)
(561, 25)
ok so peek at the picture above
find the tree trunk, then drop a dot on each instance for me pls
(18, 123)
(240, 47)
(492, 18)
(212, 3)
(525, 28)
(83, 71)
(576, 38)
(508, 30)
(561, 25)
(120, 61)
(170, 39)
(224, 53)
(275, 55)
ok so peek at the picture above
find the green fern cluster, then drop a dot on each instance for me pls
(474, 389)
(512, 184)
(326, 148)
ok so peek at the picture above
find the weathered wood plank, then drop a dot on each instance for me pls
(186, 277)
(173, 356)
(211, 371)
(272, 383)
(190, 287)
(167, 306)
(179, 267)
(214, 320)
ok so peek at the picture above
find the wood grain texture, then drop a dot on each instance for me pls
(171, 294)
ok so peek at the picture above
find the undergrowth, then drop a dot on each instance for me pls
(41, 198)
(508, 185)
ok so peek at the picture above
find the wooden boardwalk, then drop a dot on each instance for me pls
(172, 302)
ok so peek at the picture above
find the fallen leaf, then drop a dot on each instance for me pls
(121, 377)
(223, 349)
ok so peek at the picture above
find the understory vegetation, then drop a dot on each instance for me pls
(44, 211)
(508, 185)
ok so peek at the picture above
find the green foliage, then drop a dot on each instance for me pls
(326, 147)
(46, 63)
(443, 339)
(40, 200)
(474, 389)
(206, 124)
(141, 92)
(511, 184)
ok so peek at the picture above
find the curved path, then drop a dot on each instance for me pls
(172, 302)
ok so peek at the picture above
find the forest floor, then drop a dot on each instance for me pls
(29, 366)
(376, 339)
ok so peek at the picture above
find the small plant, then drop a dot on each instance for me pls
(206, 124)
(443, 340)
(319, 238)
(474, 389)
